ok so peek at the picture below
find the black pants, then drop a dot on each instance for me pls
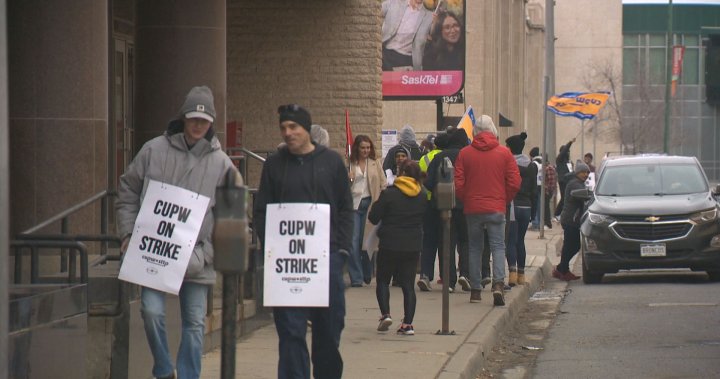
(405, 264)
(571, 245)
(561, 203)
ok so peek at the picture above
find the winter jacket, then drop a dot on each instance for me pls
(168, 159)
(486, 175)
(573, 208)
(528, 186)
(317, 177)
(376, 183)
(400, 208)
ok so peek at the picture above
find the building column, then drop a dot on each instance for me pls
(179, 44)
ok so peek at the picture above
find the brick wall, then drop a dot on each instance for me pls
(322, 54)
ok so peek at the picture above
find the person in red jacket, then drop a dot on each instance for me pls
(486, 180)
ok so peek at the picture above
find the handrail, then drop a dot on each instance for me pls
(34, 254)
(66, 212)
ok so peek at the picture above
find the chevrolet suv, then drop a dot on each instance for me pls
(650, 212)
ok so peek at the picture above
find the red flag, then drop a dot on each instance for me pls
(348, 135)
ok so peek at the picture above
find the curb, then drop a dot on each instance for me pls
(469, 359)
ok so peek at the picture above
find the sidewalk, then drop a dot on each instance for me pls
(371, 354)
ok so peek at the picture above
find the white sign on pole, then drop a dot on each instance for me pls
(297, 255)
(164, 236)
(389, 139)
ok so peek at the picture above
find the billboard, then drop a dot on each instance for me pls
(423, 48)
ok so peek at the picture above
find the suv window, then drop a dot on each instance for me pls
(651, 179)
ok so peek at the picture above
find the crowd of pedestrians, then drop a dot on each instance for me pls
(384, 221)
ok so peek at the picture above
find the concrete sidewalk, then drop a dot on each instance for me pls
(371, 354)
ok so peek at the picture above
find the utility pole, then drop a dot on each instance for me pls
(668, 79)
(550, 75)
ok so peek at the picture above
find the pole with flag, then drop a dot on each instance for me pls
(348, 136)
(581, 105)
(467, 121)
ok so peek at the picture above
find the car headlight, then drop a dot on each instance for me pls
(704, 216)
(599, 219)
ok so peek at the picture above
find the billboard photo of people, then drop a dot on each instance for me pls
(423, 48)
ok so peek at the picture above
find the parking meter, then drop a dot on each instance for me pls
(231, 239)
(444, 195)
(231, 234)
(445, 189)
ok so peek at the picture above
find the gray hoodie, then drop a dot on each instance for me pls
(167, 159)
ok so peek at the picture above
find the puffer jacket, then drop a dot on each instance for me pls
(400, 208)
(167, 159)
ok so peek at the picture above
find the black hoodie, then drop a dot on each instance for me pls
(320, 176)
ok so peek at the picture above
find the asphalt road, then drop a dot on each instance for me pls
(657, 324)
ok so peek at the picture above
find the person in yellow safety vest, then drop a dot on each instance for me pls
(431, 221)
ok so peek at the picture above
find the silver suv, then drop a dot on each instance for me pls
(650, 212)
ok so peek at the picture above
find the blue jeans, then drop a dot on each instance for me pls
(494, 223)
(355, 266)
(327, 325)
(516, 238)
(193, 302)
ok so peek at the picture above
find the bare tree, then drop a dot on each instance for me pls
(637, 122)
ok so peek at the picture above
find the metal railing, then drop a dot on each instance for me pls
(29, 239)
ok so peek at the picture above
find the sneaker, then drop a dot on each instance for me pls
(485, 281)
(424, 284)
(451, 289)
(498, 295)
(474, 296)
(464, 283)
(385, 322)
(406, 329)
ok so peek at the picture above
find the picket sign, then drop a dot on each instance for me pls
(164, 236)
(297, 255)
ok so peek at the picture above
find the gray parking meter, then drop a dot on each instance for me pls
(231, 234)
(230, 239)
(445, 189)
(444, 195)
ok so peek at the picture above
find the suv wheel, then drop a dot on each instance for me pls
(590, 277)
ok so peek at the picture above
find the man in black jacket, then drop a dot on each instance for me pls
(304, 172)
(570, 221)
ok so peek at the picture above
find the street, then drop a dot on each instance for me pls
(652, 324)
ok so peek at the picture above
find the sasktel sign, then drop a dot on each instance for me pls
(423, 49)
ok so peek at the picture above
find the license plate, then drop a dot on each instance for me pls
(657, 250)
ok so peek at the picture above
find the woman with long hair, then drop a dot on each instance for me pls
(367, 181)
(446, 49)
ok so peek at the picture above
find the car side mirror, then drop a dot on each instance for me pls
(716, 190)
(582, 194)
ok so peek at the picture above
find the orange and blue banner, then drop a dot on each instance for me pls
(467, 121)
(582, 105)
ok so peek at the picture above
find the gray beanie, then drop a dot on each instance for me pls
(199, 103)
(581, 167)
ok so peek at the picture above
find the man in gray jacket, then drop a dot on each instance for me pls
(187, 155)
